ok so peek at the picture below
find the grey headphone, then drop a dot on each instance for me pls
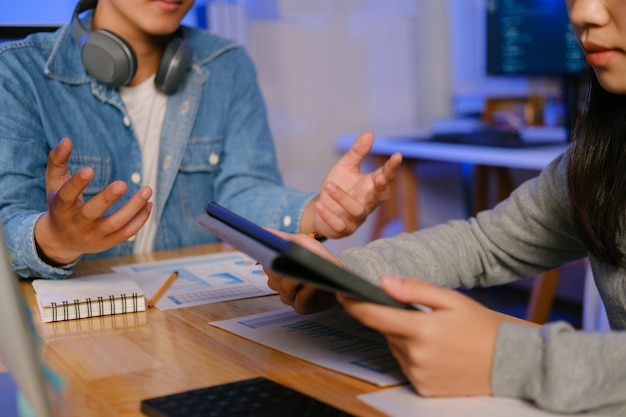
(110, 59)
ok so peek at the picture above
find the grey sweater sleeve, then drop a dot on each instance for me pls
(530, 232)
(561, 369)
(555, 366)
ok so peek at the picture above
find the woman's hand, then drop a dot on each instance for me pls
(303, 298)
(349, 196)
(447, 352)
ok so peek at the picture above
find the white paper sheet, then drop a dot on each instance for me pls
(404, 402)
(331, 339)
(201, 279)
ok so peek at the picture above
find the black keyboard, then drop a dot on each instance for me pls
(500, 138)
(257, 397)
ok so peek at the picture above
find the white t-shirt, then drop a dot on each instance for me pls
(146, 107)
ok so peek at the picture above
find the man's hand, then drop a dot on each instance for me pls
(349, 196)
(71, 227)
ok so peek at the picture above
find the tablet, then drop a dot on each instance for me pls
(289, 258)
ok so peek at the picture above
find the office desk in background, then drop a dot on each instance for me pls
(489, 162)
(534, 158)
(111, 363)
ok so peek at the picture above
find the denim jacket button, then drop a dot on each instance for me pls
(287, 221)
(167, 161)
(213, 158)
(185, 107)
(135, 178)
(126, 121)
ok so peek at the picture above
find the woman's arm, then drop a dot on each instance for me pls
(528, 233)
(462, 348)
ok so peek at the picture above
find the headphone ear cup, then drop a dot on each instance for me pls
(174, 65)
(109, 58)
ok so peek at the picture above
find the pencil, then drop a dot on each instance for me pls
(317, 236)
(166, 285)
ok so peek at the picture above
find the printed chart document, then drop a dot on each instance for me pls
(404, 402)
(332, 339)
(201, 279)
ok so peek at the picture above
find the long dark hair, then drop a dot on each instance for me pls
(597, 173)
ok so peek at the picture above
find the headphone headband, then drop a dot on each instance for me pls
(78, 30)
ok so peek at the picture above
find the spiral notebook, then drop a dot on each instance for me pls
(90, 296)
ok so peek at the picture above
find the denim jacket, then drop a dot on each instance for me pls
(215, 143)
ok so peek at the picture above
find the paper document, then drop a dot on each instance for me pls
(332, 339)
(404, 402)
(201, 279)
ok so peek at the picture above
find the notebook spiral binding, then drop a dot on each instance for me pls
(61, 312)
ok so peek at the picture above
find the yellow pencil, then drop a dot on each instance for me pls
(317, 236)
(166, 285)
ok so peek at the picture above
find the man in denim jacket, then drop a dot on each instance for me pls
(90, 194)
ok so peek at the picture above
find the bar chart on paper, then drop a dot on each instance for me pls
(201, 279)
(331, 339)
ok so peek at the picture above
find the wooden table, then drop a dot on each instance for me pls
(111, 363)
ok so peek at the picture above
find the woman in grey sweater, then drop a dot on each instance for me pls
(575, 208)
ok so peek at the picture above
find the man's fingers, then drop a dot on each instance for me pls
(332, 221)
(390, 167)
(121, 233)
(56, 170)
(359, 150)
(70, 191)
(101, 202)
(350, 204)
(122, 216)
(131, 228)
(59, 156)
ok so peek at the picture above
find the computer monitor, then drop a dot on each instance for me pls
(531, 38)
(534, 39)
(19, 351)
(15, 32)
